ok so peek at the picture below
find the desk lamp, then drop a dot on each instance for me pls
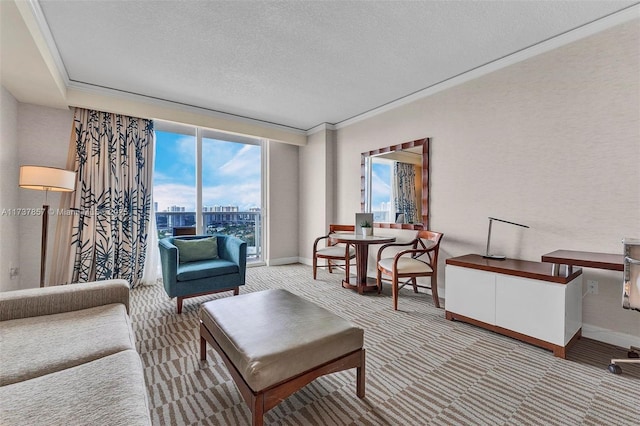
(488, 255)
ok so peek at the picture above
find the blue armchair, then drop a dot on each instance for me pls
(199, 272)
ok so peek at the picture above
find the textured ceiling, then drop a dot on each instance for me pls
(293, 63)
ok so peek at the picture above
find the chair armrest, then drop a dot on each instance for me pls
(415, 252)
(235, 250)
(317, 240)
(385, 246)
(63, 298)
(169, 263)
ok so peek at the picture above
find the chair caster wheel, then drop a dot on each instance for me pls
(615, 369)
(633, 354)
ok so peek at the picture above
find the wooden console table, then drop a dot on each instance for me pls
(518, 298)
(587, 259)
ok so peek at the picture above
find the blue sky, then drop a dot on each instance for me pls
(230, 172)
(380, 183)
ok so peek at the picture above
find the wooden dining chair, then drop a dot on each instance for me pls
(421, 260)
(337, 255)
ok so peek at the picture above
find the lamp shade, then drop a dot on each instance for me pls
(47, 179)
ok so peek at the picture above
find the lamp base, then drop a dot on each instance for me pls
(495, 256)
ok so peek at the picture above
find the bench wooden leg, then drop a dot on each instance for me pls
(360, 376)
(257, 410)
(203, 349)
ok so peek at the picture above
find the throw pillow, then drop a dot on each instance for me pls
(200, 249)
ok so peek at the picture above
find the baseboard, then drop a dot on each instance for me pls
(282, 261)
(305, 261)
(611, 337)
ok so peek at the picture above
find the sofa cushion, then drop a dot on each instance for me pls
(35, 346)
(107, 391)
(196, 249)
(206, 269)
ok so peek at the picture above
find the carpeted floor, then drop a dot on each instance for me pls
(421, 368)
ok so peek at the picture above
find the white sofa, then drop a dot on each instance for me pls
(68, 357)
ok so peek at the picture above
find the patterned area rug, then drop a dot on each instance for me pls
(421, 368)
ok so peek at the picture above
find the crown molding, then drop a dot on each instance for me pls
(321, 127)
(89, 96)
(42, 32)
(586, 30)
(115, 93)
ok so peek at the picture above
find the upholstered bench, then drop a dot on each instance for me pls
(274, 343)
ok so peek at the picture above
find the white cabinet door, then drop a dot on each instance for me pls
(471, 293)
(531, 307)
(573, 308)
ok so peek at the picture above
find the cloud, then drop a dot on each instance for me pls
(379, 188)
(174, 194)
(242, 194)
(230, 176)
(245, 162)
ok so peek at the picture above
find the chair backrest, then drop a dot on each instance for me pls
(184, 230)
(341, 228)
(436, 237)
(338, 229)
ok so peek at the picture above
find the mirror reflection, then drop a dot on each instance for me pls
(395, 185)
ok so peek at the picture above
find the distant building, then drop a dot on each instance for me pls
(225, 209)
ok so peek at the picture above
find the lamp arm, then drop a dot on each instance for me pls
(488, 254)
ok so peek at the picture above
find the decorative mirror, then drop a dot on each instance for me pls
(394, 185)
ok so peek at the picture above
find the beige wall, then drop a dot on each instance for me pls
(552, 142)
(282, 203)
(317, 189)
(9, 237)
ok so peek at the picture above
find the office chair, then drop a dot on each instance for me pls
(630, 296)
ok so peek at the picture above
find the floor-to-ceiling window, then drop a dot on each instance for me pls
(211, 181)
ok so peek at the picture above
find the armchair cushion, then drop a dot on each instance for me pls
(196, 249)
(335, 251)
(406, 265)
(206, 269)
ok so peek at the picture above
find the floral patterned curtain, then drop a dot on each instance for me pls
(106, 234)
(405, 191)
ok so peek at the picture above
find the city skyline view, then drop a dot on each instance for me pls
(231, 173)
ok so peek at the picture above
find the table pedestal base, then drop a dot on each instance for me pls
(367, 286)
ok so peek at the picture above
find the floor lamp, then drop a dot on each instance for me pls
(46, 179)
